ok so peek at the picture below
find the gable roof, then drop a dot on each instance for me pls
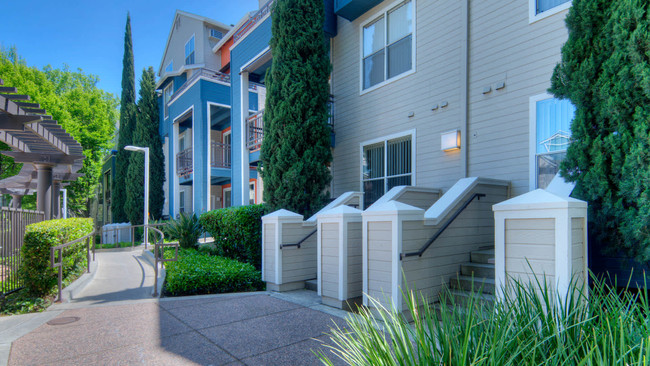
(185, 14)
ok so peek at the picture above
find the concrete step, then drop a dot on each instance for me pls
(311, 285)
(477, 270)
(468, 283)
(482, 256)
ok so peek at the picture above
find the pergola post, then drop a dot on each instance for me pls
(16, 201)
(56, 199)
(44, 190)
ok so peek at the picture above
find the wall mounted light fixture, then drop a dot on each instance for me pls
(450, 140)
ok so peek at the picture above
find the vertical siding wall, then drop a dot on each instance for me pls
(471, 230)
(503, 47)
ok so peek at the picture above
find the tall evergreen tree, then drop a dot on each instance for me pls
(606, 74)
(296, 148)
(146, 135)
(127, 123)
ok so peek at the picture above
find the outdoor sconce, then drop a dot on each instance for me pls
(450, 140)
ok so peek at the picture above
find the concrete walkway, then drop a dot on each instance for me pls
(114, 320)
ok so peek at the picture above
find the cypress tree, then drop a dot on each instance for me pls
(146, 135)
(127, 122)
(605, 73)
(296, 148)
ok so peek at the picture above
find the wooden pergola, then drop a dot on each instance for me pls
(50, 156)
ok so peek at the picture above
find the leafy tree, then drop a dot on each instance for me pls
(73, 99)
(605, 72)
(127, 124)
(296, 148)
(146, 134)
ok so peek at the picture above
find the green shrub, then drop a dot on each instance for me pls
(187, 229)
(35, 271)
(196, 273)
(237, 232)
(526, 327)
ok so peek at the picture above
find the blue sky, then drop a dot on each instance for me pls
(90, 34)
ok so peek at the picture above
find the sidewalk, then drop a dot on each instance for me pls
(115, 320)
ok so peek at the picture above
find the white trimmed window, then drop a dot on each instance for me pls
(227, 198)
(388, 48)
(550, 131)
(215, 34)
(384, 165)
(170, 67)
(251, 194)
(181, 201)
(167, 96)
(189, 52)
(539, 9)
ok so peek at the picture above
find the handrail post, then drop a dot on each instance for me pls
(60, 273)
(88, 255)
(155, 270)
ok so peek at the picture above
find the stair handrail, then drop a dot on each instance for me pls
(442, 229)
(301, 240)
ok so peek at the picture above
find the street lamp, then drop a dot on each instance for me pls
(146, 188)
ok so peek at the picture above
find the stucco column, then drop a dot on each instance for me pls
(44, 190)
(245, 169)
(16, 201)
(56, 193)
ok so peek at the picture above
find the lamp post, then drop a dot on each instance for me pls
(146, 188)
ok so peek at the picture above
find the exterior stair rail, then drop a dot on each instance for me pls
(442, 229)
(159, 255)
(299, 242)
(56, 260)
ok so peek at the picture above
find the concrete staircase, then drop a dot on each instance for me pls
(477, 275)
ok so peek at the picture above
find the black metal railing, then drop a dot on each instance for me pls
(219, 155)
(255, 131)
(13, 222)
(184, 162)
(299, 243)
(442, 229)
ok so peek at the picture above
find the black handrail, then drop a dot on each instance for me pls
(300, 242)
(442, 229)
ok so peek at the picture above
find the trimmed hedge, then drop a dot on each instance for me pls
(35, 271)
(196, 273)
(237, 232)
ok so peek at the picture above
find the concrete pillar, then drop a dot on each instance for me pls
(245, 170)
(44, 190)
(56, 199)
(16, 201)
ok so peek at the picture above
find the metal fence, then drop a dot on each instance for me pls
(12, 232)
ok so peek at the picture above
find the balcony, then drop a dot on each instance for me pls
(184, 162)
(255, 131)
(205, 73)
(220, 155)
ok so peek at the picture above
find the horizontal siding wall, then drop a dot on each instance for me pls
(385, 110)
(530, 246)
(330, 260)
(355, 257)
(504, 47)
(269, 252)
(472, 229)
(298, 264)
(380, 261)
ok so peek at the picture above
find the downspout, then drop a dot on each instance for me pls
(464, 87)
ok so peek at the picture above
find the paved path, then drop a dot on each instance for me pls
(109, 323)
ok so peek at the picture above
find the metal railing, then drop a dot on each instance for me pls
(159, 255)
(220, 155)
(13, 222)
(299, 243)
(255, 131)
(206, 73)
(57, 261)
(442, 229)
(250, 23)
(184, 162)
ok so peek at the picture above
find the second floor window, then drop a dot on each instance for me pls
(170, 67)
(167, 96)
(189, 52)
(544, 5)
(388, 45)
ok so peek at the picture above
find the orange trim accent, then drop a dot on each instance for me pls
(226, 186)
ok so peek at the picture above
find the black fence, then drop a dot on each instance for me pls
(12, 231)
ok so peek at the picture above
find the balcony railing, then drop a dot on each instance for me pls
(184, 162)
(206, 73)
(220, 155)
(256, 131)
(250, 23)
